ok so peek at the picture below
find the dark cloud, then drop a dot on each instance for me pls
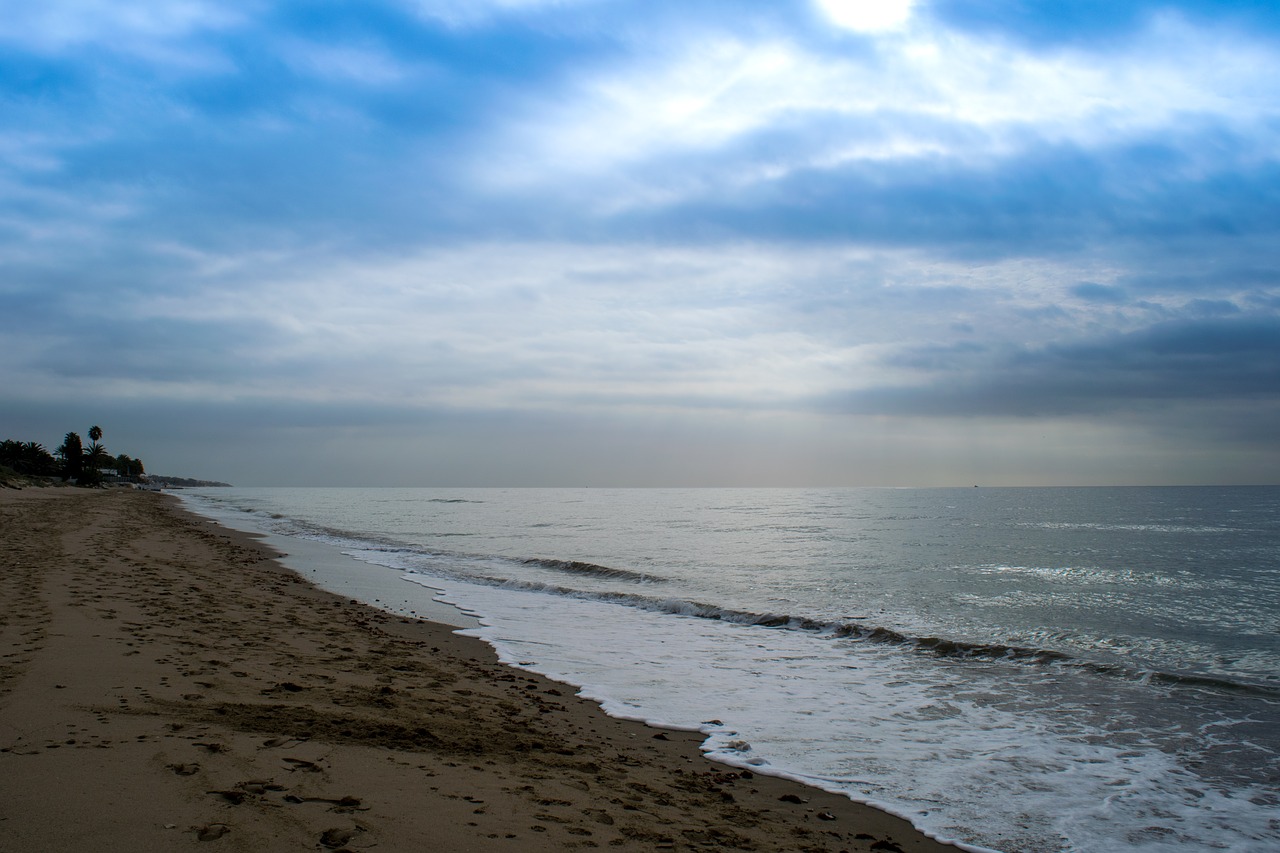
(1101, 293)
(1254, 268)
(170, 351)
(1187, 360)
(1050, 198)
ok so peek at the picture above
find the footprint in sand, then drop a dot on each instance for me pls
(337, 837)
(212, 832)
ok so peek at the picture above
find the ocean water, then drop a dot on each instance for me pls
(1029, 669)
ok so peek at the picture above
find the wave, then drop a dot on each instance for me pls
(1138, 528)
(576, 567)
(940, 647)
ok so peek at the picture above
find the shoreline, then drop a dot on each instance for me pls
(165, 680)
(327, 567)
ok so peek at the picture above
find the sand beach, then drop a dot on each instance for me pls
(165, 682)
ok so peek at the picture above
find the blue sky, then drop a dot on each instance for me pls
(584, 242)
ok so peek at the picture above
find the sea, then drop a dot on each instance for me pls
(1025, 670)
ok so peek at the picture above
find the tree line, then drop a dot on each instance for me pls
(87, 466)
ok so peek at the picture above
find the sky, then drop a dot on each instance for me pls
(657, 243)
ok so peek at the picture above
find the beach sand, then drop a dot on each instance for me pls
(165, 683)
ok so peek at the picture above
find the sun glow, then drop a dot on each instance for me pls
(867, 16)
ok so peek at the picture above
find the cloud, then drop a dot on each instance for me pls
(1104, 293)
(657, 218)
(867, 16)
(941, 139)
(479, 13)
(382, 127)
(1203, 360)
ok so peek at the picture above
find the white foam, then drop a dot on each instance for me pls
(849, 717)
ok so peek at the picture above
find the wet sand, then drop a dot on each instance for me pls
(164, 682)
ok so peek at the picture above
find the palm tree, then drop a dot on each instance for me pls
(37, 459)
(72, 453)
(95, 459)
(27, 457)
(10, 453)
(97, 456)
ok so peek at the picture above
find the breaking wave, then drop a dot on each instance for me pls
(847, 630)
(576, 567)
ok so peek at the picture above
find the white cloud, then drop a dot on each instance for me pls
(711, 93)
(472, 13)
(922, 94)
(867, 16)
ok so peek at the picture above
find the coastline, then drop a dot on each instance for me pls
(165, 681)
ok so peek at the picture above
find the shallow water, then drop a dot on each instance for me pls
(1100, 662)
